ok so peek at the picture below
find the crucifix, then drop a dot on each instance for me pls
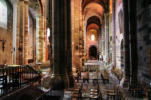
(3, 44)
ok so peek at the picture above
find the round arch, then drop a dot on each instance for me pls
(93, 52)
(93, 9)
(93, 20)
(101, 2)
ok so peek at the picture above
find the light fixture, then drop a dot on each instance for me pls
(92, 37)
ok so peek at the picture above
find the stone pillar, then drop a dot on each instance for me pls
(61, 45)
(39, 38)
(113, 36)
(44, 40)
(100, 41)
(69, 43)
(77, 33)
(14, 30)
(50, 26)
(106, 37)
(20, 33)
(126, 41)
(103, 40)
(26, 7)
(133, 42)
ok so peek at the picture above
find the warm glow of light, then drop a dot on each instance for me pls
(48, 32)
(92, 37)
(111, 1)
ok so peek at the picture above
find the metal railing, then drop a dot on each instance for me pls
(15, 77)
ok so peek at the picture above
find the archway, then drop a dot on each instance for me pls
(93, 53)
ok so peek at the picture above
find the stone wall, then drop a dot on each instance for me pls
(144, 40)
(6, 35)
(118, 31)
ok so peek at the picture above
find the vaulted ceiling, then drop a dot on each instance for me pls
(103, 3)
(93, 27)
(94, 19)
(93, 11)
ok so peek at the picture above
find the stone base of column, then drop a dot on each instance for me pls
(59, 82)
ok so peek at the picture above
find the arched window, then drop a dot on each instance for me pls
(3, 14)
(92, 37)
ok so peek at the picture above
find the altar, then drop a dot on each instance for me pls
(92, 65)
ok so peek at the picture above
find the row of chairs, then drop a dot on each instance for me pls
(115, 93)
(80, 93)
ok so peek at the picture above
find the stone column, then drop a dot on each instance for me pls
(49, 24)
(133, 42)
(113, 36)
(26, 7)
(20, 33)
(44, 39)
(126, 41)
(68, 42)
(61, 45)
(106, 37)
(100, 41)
(76, 33)
(39, 38)
(14, 30)
(103, 40)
